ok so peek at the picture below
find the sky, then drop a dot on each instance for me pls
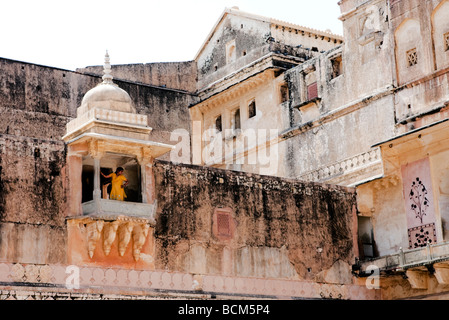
(75, 34)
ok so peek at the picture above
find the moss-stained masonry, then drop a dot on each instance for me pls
(283, 228)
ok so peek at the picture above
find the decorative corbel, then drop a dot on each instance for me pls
(124, 236)
(94, 229)
(140, 233)
(109, 235)
(144, 157)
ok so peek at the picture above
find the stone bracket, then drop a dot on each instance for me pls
(123, 229)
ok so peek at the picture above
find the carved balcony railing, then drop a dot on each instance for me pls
(407, 259)
(350, 171)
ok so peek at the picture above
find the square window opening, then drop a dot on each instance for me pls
(219, 124)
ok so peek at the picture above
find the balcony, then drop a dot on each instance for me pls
(416, 264)
(112, 209)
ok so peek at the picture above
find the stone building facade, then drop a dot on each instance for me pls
(195, 232)
(187, 231)
(282, 162)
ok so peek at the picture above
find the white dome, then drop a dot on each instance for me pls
(107, 95)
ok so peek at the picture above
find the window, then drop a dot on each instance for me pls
(252, 109)
(284, 93)
(337, 66)
(312, 91)
(237, 124)
(223, 224)
(412, 57)
(218, 124)
(446, 41)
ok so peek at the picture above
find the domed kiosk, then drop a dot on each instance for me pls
(108, 134)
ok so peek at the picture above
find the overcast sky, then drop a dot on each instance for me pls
(75, 34)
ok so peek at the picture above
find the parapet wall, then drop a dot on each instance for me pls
(173, 75)
(212, 221)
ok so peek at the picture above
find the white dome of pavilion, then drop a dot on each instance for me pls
(107, 95)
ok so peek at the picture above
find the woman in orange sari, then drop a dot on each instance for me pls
(119, 182)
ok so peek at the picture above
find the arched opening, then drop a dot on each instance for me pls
(440, 35)
(109, 164)
(409, 51)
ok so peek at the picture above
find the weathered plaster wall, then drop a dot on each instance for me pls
(281, 228)
(422, 92)
(250, 37)
(389, 219)
(32, 200)
(270, 119)
(411, 24)
(420, 99)
(355, 108)
(253, 38)
(368, 62)
(36, 102)
(338, 137)
(173, 75)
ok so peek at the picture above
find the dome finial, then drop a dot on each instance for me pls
(107, 77)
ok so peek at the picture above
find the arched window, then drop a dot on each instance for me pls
(440, 31)
(409, 51)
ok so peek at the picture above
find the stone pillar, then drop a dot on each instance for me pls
(197, 136)
(97, 189)
(150, 184)
(147, 179)
(143, 182)
(75, 169)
